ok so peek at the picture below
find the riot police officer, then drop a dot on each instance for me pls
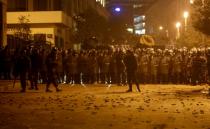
(131, 69)
(51, 63)
(197, 68)
(22, 68)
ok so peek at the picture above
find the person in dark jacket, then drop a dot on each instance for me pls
(120, 68)
(43, 67)
(131, 69)
(35, 68)
(22, 68)
(82, 67)
(7, 63)
(51, 63)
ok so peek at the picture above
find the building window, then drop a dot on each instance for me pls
(17, 5)
(40, 38)
(57, 5)
(40, 5)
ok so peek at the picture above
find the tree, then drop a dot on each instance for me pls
(201, 16)
(190, 38)
(20, 33)
(91, 27)
(23, 30)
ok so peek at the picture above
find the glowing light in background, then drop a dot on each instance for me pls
(160, 27)
(186, 14)
(178, 25)
(130, 30)
(191, 1)
(117, 9)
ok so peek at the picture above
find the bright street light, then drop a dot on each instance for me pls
(178, 25)
(191, 1)
(186, 15)
(160, 27)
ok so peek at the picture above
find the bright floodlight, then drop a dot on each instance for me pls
(160, 28)
(117, 9)
(178, 24)
(191, 1)
(186, 14)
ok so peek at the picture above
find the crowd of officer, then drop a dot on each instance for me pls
(109, 66)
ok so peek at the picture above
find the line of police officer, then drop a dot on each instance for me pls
(155, 66)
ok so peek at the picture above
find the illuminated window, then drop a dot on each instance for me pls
(138, 19)
(40, 38)
(137, 5)
(102, 2)
(140, 32)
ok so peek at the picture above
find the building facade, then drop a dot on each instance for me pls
(50, 21)
(3, 4)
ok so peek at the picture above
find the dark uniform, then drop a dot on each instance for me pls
(105, 69)
(7, 63)
(112, 68)
(120, 69)
(92, 62)
(82, 68)
(164, 68)
(131, 69)
(43, 67)
(35, 68)
(198, 74)
(22, 67)
(51, 63)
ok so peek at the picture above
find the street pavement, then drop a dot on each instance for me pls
(102, 107)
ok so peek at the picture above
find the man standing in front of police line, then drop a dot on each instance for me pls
(131, 68)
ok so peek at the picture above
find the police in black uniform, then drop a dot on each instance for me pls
(131, 69)
(120, 68)
(22, 67)
(51, 63)
(35, 68)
